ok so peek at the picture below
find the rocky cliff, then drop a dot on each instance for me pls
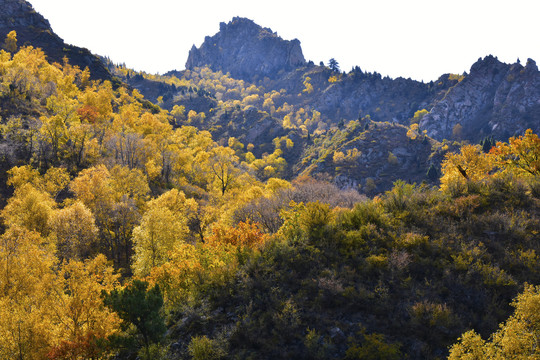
(246, 49)
(493, 99)
(33, 29)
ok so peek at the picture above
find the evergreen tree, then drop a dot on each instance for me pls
(141, 307)
(333, 65)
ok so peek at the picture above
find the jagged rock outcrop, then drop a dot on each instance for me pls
(33, 29)
(494, 99)
(246, 49)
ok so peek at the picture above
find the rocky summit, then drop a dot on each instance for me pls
(246, 49)
(33, 29)
(494, 99)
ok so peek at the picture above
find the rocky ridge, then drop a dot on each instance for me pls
(245, 49)
(33, 29)
(494, 99)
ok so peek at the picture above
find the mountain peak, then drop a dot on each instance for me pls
(245, 49)
(16, 13)
(33, 29)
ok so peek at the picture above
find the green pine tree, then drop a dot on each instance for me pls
(141, 307)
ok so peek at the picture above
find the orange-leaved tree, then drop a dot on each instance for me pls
(520, 155)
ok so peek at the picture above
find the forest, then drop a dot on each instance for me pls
(128, 231)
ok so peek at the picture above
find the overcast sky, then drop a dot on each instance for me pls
(421, 39)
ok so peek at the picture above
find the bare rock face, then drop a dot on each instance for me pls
(19, 13)
(494, 99)
(246, 49)
(33, 29)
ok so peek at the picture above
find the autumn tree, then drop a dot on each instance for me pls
(413, 131)
(418, 116)
(116, 197)
(224, 166)
(517, 338)
(163, 226)
(74, 231)
(54, 181)
(244, 235)
(178, 113)
(55, 126)
(520, 155)
(29, 208)
(83, 319)
(10, 44)
(308, 86)
(471, 164)
(27, 283)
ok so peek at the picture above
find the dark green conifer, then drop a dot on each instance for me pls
(141, 307)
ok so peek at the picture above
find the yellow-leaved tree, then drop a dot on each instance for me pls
(163, 226)
(520, 155)
(74, 231)
(224, 165)
(82, 321)
(52, 182)
(116, 198)
(27, 285)
(29, 208)
(517, 338)
(471, 164)
(10, 44)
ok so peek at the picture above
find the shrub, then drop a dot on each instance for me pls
(204, 348)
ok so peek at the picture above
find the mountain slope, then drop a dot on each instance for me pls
(33, 29)
(247, 86)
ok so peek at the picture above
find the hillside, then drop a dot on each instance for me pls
(290, 212)
(308, 103)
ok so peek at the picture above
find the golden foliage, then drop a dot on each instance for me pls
(27, 283)
(516, 338)
(521, 155)
(10, 43)
(469, 165)
(163, 226)
(29, 208)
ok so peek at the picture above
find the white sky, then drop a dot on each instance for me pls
(421, 39)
